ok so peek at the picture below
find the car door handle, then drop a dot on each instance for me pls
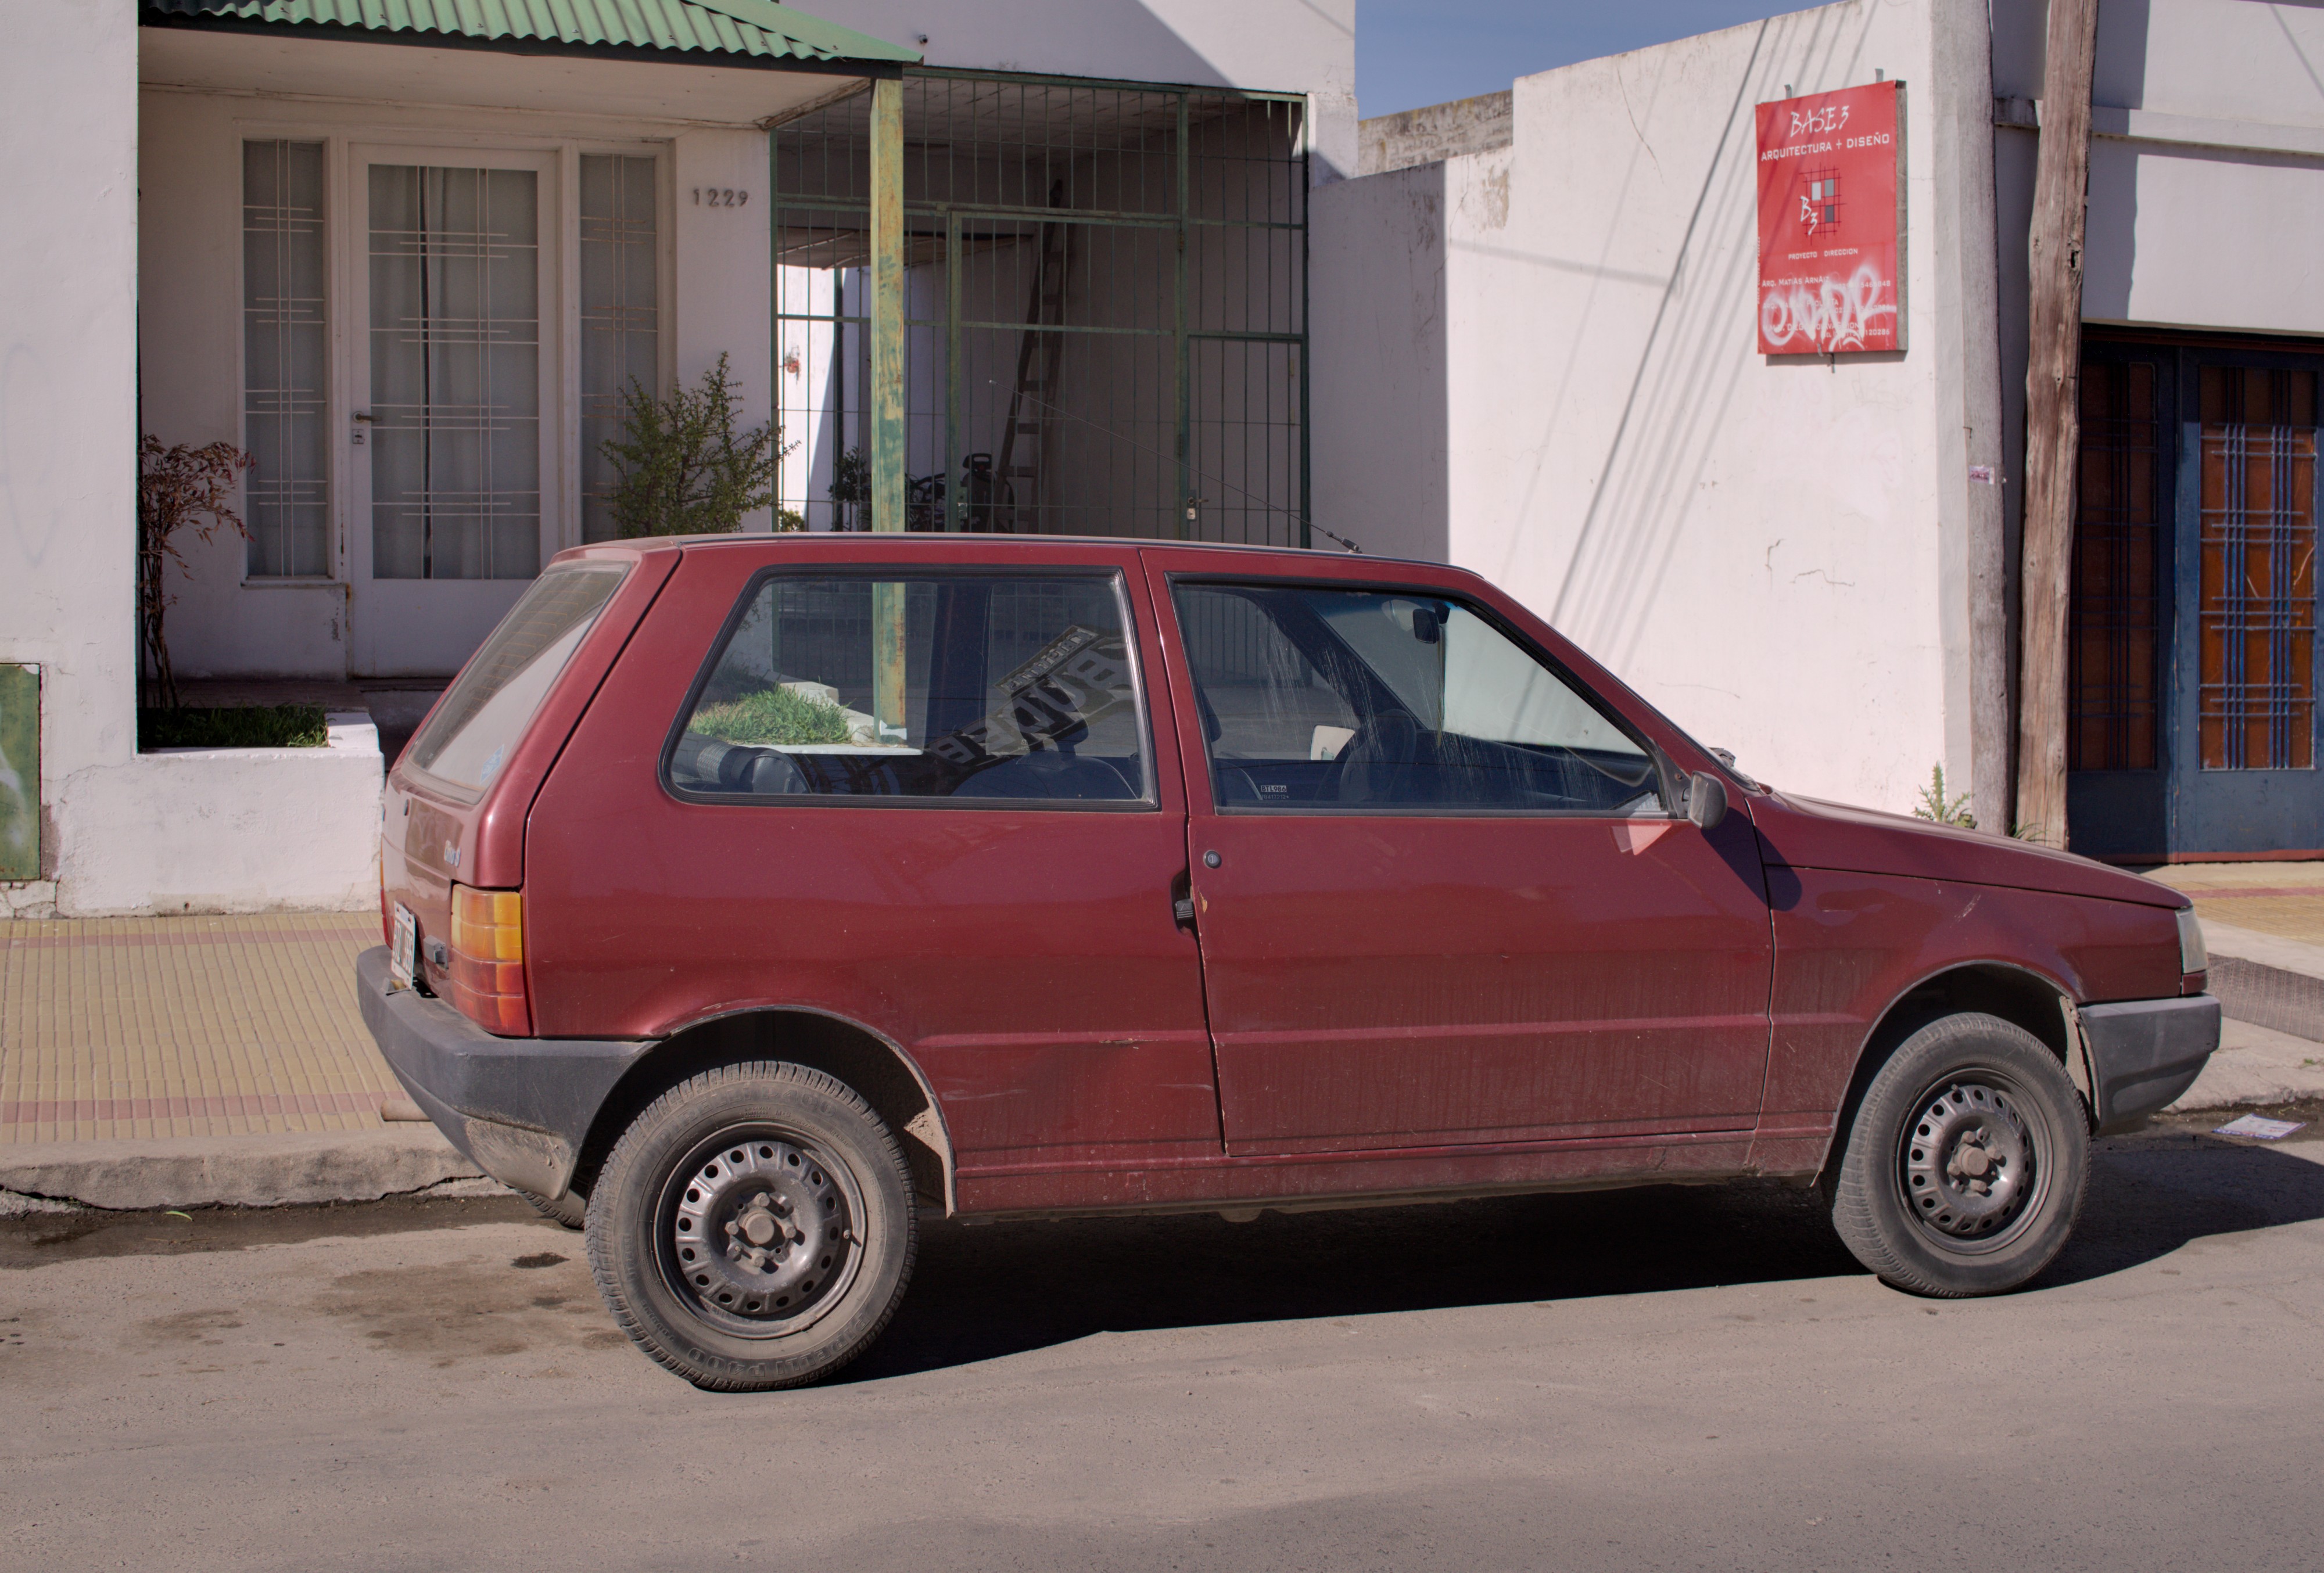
(1183, 909)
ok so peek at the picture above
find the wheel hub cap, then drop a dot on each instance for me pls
(761, 1234)
(1969, 1162)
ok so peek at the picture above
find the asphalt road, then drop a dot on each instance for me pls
(1665, 1378)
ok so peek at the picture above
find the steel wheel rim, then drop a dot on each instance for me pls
(760, 1231)
(1971, 1165)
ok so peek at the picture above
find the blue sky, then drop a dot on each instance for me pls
(1411, 52)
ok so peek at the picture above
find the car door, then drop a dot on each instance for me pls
(1442, 897)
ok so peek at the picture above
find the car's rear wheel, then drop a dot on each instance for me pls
(1963, 1169)
(753, 1227)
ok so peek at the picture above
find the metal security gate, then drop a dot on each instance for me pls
(1103, 311)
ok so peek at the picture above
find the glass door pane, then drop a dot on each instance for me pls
(285, 360)
(456, 383)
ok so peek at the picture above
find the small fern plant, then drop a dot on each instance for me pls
(682, 468)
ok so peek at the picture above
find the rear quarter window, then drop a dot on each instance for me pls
(484, 715)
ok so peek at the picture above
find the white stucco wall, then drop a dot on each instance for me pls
(2206, 163)
(721, 301)
(228, 829)
(1763, 547)
(1376, 284)
(68, 384)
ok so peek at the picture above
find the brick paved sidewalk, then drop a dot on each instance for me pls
(132, 1028)
(2284, 899)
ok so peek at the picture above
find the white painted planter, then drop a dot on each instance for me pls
(227, 830)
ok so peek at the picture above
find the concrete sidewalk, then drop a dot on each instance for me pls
(197, 1061)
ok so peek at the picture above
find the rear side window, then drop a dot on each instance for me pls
(963, 687)
(478, 722)
(1376, 702)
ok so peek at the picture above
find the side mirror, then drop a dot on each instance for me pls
(1706, 799)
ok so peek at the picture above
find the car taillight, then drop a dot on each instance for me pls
(487, 960)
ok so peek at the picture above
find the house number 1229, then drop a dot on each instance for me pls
(720, 197)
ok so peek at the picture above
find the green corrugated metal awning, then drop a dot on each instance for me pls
(758, 28)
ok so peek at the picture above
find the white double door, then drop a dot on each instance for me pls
(457, 471)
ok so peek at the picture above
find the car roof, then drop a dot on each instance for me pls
(978, 544)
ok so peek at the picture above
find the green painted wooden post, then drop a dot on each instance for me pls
(20, 772)
(887, 391)
(887, 304)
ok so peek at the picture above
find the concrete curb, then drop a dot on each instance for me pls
(253, 1170)
(2256, 1065)
(2249, 944)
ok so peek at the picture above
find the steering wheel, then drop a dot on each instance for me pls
(1376, 764)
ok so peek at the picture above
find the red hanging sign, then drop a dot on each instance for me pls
(1830, 216)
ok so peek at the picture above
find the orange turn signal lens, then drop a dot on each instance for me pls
(487, 960)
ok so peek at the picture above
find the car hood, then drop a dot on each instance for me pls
(1805, 833)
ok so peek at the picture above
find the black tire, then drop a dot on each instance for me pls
(805, 1202)
(571, 1210)
(1963, 1168)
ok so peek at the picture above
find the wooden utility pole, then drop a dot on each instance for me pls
(2053, 425)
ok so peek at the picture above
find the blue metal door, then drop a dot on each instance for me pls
(2243, 713)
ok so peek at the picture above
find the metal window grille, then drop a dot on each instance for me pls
(620, 345)
(287, 498)
(2114, 621)
(2258, 613)
(1105, 309)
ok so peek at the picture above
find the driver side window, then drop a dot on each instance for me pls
(1380, 702)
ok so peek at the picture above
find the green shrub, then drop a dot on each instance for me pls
(773, 715)
(255, 726)
(682, 468)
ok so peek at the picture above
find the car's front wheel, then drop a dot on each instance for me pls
(1963, 1168)
(753, 1227)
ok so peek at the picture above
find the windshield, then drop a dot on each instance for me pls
(478, 722)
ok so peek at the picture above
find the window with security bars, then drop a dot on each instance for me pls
(1105, 305)
(285, 345)
(2256, 707)
(620, 345)
(2113, 642)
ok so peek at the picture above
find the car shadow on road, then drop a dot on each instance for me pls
(982, 1292)
(2153, 1193)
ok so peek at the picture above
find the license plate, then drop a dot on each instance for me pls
(402, 951)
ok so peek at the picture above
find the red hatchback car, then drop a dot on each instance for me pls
(747, 896)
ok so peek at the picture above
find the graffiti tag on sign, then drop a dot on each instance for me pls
(1831, 222)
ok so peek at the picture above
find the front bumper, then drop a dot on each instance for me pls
(521, 1107)
(2145, 1053)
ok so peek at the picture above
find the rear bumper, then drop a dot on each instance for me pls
(521, 1107)
(2145, 1053)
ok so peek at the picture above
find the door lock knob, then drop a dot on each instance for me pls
(1212, 860)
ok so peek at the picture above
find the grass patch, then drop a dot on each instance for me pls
(255, 726)
(773, 715)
